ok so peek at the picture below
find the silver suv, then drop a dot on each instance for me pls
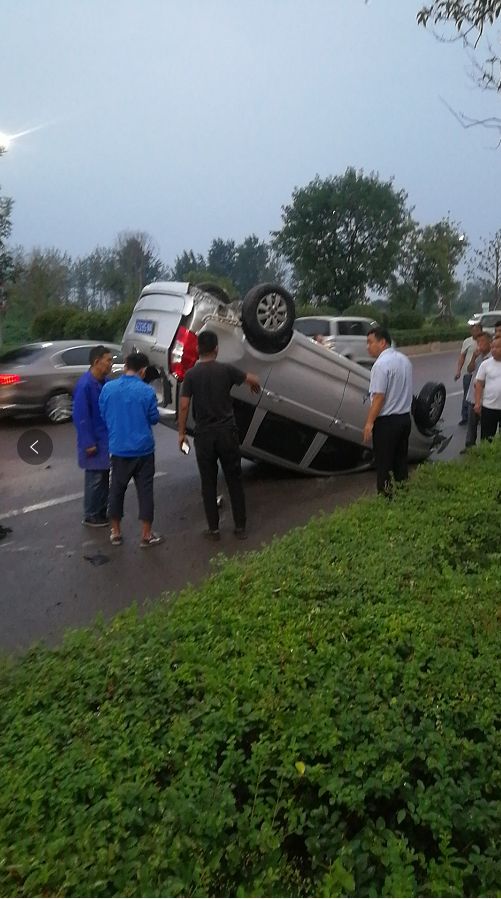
(346, 335)
(312, 409)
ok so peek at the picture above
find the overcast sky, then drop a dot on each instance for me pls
(195, 119)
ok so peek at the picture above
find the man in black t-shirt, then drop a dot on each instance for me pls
(216, 437)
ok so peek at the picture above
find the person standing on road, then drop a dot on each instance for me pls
(92, 437)
(129, 408)
(482, 352)
(467, 349)
(216, 437)
(488, 392)
(389, 420)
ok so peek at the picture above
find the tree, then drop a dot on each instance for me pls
(425, 277)
(221, 257)
(251, 264)
(342, 235)
(6, 262)
(188, 261)
(486, 264)
(472, 21)
(133, 263)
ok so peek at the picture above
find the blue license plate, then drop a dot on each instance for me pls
(144, 326)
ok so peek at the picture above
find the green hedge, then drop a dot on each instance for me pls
(320, 718)
(428, 335)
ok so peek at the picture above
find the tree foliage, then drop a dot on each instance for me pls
(486, 266)
(343, 235)
(472, 21)
(425, 279)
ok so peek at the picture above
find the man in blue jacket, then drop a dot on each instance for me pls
(92, 437)
(129, 409)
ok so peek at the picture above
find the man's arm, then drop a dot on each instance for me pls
(459, 367)
(472, 364)
(479, 392)
(83, 420)
(184, 407)
(152, 410)
(253, 382)
(376, 406)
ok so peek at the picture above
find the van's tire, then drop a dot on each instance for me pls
(268, 314)
(215, 291)
(428, 406)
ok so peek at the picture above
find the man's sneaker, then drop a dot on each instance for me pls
(152, 540)
(212, 535)
(116, 539)
(240, 533)
(95, 522)
(464, 421)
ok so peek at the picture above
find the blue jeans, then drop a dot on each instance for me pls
(97, 485)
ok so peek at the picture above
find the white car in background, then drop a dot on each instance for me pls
(345, 334)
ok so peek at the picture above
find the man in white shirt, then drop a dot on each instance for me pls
(488, 392)
(464, 359)
(389, 420)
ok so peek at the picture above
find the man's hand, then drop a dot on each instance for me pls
(253, 382)
(91, 450)
(181, 439)
(477, 408)
(368, 432)
(457, 376)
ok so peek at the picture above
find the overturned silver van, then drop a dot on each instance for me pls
(310, 414)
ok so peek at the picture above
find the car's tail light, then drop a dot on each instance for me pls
(8, 380)
(183, 353)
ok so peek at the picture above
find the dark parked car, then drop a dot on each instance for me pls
(311, 412)
(40, 377)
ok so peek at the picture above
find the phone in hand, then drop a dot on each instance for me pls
(185, 447)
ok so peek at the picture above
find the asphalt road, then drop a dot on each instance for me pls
(56, 574)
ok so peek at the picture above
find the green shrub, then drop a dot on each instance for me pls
(405, 319)
(367, 310)
(320, 718)
(53, 323)
(94, 325)
(309, 309)
(428, 335)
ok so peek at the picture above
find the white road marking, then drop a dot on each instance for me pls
(57, 501)
(455, 393)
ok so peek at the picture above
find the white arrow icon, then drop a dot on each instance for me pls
(32, 447)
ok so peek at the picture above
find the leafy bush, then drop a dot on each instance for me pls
(91, 326)
(320, 718)
(310, 309)
(428, 335)
(53, 322)
(367, 310)
(405, 319)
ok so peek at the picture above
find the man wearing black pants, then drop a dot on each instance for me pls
(389, 420)
(129, 409)
(216, 437)
(488, 392)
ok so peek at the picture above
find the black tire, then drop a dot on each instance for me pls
(428, 406)
(215, 291)
(268, 314)
(59, 407)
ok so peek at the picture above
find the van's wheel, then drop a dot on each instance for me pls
(428, 406)
(59, 408)
(219, 293)
(268, 314)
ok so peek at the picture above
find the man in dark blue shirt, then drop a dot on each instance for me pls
(129, 408)
(92, 437)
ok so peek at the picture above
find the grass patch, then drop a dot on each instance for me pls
(319, 718)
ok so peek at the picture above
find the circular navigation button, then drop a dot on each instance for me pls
(35, 447)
